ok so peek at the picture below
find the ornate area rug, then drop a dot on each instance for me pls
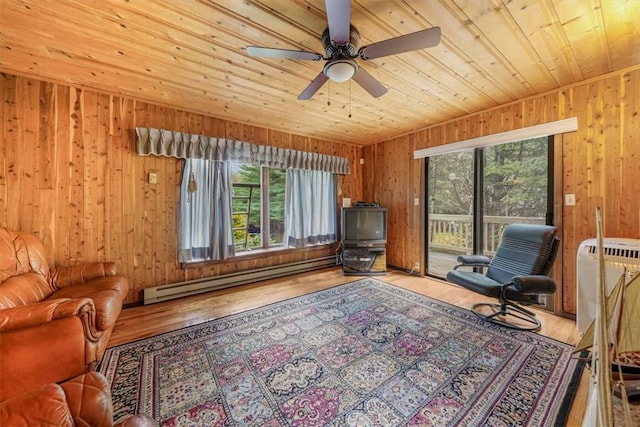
(366, 353)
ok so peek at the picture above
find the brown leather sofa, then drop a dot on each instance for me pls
(54, 322)
(82, 401)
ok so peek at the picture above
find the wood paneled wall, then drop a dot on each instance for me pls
(69, 173)
(600, 164)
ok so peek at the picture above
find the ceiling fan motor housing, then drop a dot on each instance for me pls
(348, 50)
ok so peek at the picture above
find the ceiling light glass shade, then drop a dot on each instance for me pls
(341, 70)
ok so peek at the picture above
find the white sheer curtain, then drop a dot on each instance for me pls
(310, 208)
(205, 226)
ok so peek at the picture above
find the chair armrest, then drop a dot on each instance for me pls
(32, 315)
(472, 261)
(534, 285)
(62, 277)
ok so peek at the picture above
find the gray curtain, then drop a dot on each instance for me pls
(205, 226)
(310, 208)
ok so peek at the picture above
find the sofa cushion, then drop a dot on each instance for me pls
(23, 289)
(21, 253)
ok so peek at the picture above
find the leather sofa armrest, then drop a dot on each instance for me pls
(43, 405)
(89, 400)
(47, 342)
(62, 277)
(81, 401)
(28, 316)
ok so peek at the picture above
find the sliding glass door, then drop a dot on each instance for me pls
(474, 194)
(450, 183)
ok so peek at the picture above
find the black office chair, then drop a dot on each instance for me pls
(517, 275)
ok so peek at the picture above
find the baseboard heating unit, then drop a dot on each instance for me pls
(198, 286)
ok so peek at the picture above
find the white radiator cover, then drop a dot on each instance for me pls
(619, 253)
(193, 287)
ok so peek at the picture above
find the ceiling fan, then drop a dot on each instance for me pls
(340, 41)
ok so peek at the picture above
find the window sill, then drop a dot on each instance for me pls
(257, 254)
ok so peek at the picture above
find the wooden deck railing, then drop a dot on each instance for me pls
(453, 233)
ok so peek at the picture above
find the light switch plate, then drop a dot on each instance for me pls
(570, 199)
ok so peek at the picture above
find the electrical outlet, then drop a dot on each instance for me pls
(416, 265)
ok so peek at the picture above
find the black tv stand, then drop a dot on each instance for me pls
(363, 260)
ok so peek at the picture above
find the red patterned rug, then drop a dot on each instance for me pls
(366, 353)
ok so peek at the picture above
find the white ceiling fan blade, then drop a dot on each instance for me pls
(369, 83)
(339, 19)
(267, 52)
(313, 87)
(414, 41)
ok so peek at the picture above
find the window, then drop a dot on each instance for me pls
(230, 208)
(258, 206)
(212, 219)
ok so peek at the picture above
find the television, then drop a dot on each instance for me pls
(364, 226)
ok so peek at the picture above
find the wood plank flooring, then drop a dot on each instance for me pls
(140, 322)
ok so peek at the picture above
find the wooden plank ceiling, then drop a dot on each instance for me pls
(191, 54)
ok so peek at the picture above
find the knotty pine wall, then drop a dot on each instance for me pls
(600, 164)
(69, 173)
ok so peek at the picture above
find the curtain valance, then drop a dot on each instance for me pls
(161, 142)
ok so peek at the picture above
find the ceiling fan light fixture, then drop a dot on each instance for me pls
(340, 70)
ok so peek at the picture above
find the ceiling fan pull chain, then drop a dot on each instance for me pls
(349, 98)
(329, 94)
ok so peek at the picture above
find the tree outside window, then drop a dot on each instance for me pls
(258, 206)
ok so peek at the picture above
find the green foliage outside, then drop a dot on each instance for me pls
(515, 185)
(247, 205)
(515, 177)
(515, 181)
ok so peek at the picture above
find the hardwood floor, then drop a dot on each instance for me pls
(144, 321)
